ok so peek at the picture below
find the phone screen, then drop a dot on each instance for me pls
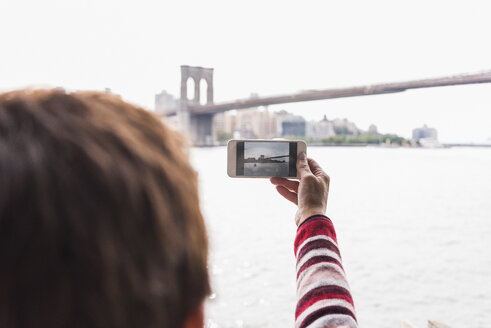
(266, 159)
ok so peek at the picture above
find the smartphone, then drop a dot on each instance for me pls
(263, 158)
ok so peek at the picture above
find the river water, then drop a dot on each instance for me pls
(413, 225)
(266, 169)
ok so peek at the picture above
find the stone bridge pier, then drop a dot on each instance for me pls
(197, 127)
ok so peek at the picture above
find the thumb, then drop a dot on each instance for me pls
(302, 165)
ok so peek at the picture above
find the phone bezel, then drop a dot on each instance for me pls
(232, 155)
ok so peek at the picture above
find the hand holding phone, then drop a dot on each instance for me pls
(310, 193)
(263, 158)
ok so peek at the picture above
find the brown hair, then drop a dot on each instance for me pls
(100, 224)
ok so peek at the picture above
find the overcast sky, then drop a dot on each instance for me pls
(256, 149)
(267, 47)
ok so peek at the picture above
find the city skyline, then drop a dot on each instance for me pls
(260, 123)
(255, 123)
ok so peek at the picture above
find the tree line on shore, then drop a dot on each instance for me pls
(341, 139)
(363, 138)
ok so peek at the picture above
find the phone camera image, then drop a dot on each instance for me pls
(266, 159)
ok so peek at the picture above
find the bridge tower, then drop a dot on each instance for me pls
(197, 127)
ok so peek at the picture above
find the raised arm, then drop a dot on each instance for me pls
(323, 296)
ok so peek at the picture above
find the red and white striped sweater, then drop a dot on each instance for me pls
(323, 295)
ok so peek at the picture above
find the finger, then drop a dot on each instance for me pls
(275, 180)
(315, 168)
(289, 184)
(318, 171)
(302, 165)
(290, 195)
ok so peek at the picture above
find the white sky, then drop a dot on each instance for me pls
(256, 149)
(269, 47)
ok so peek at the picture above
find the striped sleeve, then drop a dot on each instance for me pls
(323, 295)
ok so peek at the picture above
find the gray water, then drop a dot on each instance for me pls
(266, 169)
(413, 225)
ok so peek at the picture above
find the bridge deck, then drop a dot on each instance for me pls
(310, 95)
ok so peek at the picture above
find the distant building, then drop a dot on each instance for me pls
(218, 125)
(425, 133)
(247, 123)
(225, 122)
(165, 102)
(427, 137)
(293, 125)
(320, 130)
(261, 121)
(343, 126)
(372, 129)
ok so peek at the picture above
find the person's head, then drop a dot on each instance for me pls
(100, 224)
